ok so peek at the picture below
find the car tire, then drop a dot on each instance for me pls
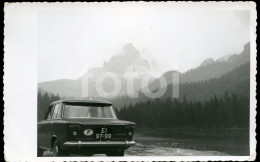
(88, 154)
(116, 153)
(57, 151)
(39, 152)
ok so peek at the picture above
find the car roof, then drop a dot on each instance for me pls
(83, 101)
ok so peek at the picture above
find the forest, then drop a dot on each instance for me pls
(231, 111)
(44, 100)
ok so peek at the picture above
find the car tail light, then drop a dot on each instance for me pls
(129, 131)
(74, 129)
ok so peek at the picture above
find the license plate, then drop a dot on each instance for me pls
(103, 134)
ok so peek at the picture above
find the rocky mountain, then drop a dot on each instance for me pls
(214, 69)
(129, 60)
(224, 58)
(192, 82)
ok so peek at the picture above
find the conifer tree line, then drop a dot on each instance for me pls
(230, 111)
(44, 100)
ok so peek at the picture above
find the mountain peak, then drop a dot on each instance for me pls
(130, 51)
(246, 49)
(128, 59)
(129, 46)
(207, 61)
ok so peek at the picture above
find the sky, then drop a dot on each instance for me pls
(72, 41)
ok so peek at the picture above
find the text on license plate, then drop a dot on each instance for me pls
(103, 136)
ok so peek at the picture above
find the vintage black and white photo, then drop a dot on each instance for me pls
(169, 80)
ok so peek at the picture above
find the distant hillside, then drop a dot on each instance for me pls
(236, 81)
(214, 69)
(62, 87)
(207, 62)
(217, 103)
(208, 69)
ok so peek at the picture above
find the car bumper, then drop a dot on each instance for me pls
(83, 144)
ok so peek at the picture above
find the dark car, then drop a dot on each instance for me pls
(84, 126)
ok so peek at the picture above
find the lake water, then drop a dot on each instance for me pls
(186, 142)
(181, 142)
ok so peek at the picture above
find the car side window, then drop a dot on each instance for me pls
(55, 111)
(50, 113)
(59, 111)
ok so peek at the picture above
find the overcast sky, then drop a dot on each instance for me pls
(72, 41)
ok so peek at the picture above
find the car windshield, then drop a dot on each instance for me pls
(83, 111)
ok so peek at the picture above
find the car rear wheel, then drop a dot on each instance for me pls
(39, 152)
(57, 151)
(116, 153)
(88, 154)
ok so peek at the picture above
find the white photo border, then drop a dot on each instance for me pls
(20, 78)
